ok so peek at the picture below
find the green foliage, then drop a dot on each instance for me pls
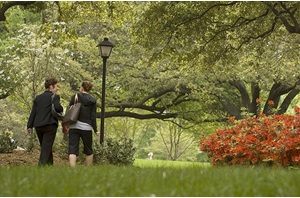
(158, 46)
(202, 157)
(171, 142)
(6, 143)
(213, 41)
(9, 48)
(114, 152)
(38, 58)
(32, 143)
(139, 131)
(60, 147)
(118, 152)
(17, 17)
(11, 119)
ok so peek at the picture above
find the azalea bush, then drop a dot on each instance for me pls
(268, 140)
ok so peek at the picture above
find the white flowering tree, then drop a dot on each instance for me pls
(7, 72)
(37, 57)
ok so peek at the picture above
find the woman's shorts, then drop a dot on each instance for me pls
(74, 137)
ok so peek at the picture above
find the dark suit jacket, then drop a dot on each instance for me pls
(41, 110)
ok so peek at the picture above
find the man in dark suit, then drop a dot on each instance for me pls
(42, 120)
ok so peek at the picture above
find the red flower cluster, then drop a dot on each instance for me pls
(253, 141)
(258, 100)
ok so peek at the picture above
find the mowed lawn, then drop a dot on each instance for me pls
(148, 178)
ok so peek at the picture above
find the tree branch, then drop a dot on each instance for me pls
(138, 116)
(288, 99)
(232, 110)
(276, 91)
(10, 4)
(288, 26)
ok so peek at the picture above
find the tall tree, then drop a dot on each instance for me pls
(216, 39)
(195, 54)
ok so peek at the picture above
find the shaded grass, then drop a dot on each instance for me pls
(146, 179)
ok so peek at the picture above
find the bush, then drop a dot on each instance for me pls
(32, 143)
(61, 148)
(116, 152)
(6, 143)
(266, 140)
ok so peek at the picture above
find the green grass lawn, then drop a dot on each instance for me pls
(148, 178)
(163, 163)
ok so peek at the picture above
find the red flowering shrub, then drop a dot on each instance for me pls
(254, 141)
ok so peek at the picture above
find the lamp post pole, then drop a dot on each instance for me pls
(103, 102)
(105, 48)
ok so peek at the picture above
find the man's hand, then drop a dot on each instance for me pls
(97, 133)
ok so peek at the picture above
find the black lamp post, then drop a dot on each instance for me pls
(105, 48)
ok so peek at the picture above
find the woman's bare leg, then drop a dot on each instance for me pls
(89, 160)
(72, 159)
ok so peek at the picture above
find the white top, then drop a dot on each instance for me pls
(81, 126)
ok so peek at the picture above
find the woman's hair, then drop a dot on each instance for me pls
(50, 81)
(87, 86)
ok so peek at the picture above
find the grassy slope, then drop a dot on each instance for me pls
(148, 178)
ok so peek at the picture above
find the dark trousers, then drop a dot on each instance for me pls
(46, 135)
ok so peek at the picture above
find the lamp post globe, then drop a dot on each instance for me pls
(105, 48)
